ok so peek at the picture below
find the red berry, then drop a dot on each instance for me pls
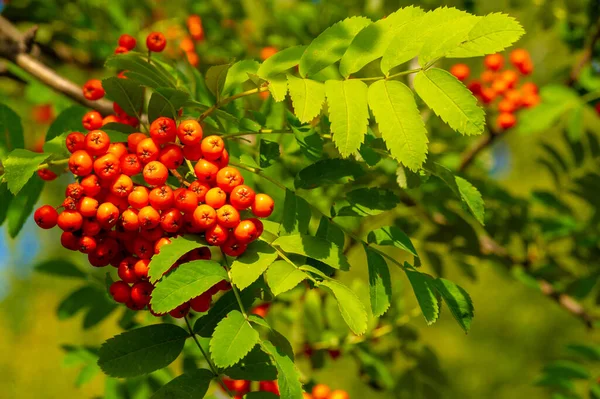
(141, 293)
(120, 291)
(93, 90)
(127, 41)
(156, 42)
(46, 217)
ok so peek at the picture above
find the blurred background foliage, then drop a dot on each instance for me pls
(517, 331)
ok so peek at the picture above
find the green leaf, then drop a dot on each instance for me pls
(348, 112)
(19, 167)
(21, 206)
(256, 366)
(67, 121)
(127, 93)
(351, 308)
(116, 137)
(78, 300)
(450, 100)
(282, 277)
(555, 101)
(307, 97)
(288, 376)
(400, 122)
(567, 369)
(184, 283)
(11, 131)
(215, 79)
(380, 284)
(169, 254)
(464, 190)
(278, 86)
(330, 45)
(261, 395)
(423, 286)
(142, 351)
(589, 352)
(238, 74)
(232, 340)
(248, 267)
(191, 385)
(408, 39)
(268, 153)
(59, 267)
(140, 70)
(393, 236)
(492, 34)
(368, 201)
(327, 171)
(445, 37)
(315, 248)
(329, 231)
(296, 214)
(312, 312)
(57, 146)
(5, 200)
(310, 142)
(166, 102)
(280, 62)
(207, 323)
(370, 43)
(458, 301)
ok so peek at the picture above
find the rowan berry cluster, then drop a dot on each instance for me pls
(320, 391)
(116, 221)
(499, 88)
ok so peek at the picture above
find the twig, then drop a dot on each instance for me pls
(473, 152)
(586, 57)
(16, 46)
(213, 368)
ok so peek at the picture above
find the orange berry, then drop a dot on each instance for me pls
(494, 62)
(139, 197)
(206, 170)
(233, 247)
(267, 52)
(246, 231)
(242, 197)
(161, 198)
(75, 141)
(127, 41)
(147, 150)
(88, 207)
(216, 235)
(130, 220)
(339, 394)
(263, 205)
(97, 142)
(107, 167)
(529, 87)
(45, 217)
(228, 178)
(200, 189)
(228, 216)
(460, 71)
(133, 140)
(122, 186)
(186, 201)
(510, 77)
(212, 147)
(131, 165)
(506, 120)
(204, 217)
(81, 163)
(171, 220)
(155, 173)
(189, 132)
(93, 90)
(321, 391)
(156, 42)
(149, 217)
(519, 56)
(215, 197)
(69, 221)
(499, 86)
(163, 130)
(506, 106)
(107, 215)
(92, 120)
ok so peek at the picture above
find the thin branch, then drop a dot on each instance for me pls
(473, 152)
(16, 47)
(586, 57)
(213, 368)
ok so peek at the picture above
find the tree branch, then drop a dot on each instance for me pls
(16, 47)
(568, 303)
(586, 57)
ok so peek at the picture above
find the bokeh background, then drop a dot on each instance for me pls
(516, 329)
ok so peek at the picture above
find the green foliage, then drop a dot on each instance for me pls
(59, 267)
(169, 254)
(190, 385)
(330, 45)
(19, 167)
(282, 277)
(327, 171)
(288, 376)
(380, 285)
(186, 282)
(166, 102)
(248, 267)
(142, 351)
(307, 96)
(233, 339)
(21, 206)
(206, 324)
(256, 366)
(351, 308)
(424, 289)
(450, 100)
(348, 112)
(215, 79)
(315, 248)
(393, 236)
(458, 301)
(141, 71)
(399, 122)
(296, 214)
(67, 121)
(11, 131)
(125, 92)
